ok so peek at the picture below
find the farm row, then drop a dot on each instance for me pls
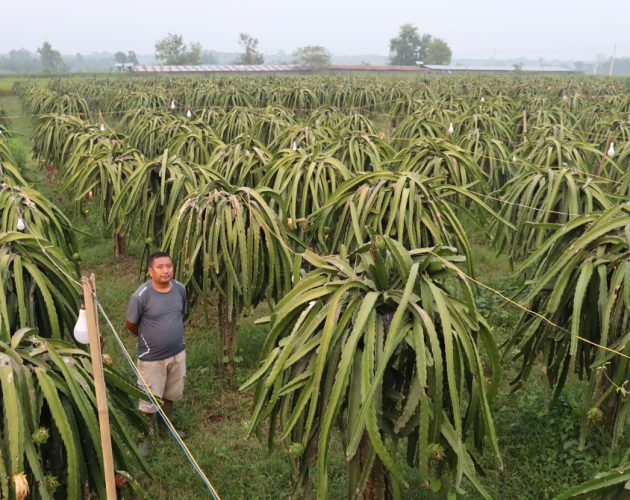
(347, 206)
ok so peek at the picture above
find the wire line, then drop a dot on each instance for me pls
(525, 309)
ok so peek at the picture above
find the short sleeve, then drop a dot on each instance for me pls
(185, 301)
(182, 291)
(134, 310)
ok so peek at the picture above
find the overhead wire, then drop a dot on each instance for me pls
(527, 310)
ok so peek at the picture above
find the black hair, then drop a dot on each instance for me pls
(157, 255)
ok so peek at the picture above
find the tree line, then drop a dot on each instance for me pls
(408, 48)
(172, 50)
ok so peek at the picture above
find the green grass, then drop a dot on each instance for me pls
(540, 445)
(21, 128)
(6, 82)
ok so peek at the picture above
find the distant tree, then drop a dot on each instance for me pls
(51, 59)
(408, 47)
(193, 56)
(312, 55)
(438, 52)
(132, 57)
(172, 50)
(250, 54)
(79, 62)
(120, 57)
(582, 67)
(208, 57)
(20, 61)
(517, 66)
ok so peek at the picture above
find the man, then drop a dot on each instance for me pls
(155, 314)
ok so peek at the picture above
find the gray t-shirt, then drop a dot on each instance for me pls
(160, 320)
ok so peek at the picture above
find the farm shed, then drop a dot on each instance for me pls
(456, 68)
(217, 69)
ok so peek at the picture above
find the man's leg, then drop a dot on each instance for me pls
(174, 389)
(167, 406)
(154, 376)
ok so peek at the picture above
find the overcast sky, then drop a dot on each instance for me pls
(550, 29)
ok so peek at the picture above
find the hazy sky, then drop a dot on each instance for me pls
(551, 29)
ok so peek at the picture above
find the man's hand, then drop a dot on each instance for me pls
(132, 327)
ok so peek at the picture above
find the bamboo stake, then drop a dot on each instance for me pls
(524, 126)
(99, 385)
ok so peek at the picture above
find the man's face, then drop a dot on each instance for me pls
(161, 271)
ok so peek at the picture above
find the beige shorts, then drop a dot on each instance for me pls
(165, 378)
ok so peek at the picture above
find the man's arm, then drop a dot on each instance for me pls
(132, 327)
(134, 313)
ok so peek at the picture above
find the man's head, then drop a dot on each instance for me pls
(160, 268)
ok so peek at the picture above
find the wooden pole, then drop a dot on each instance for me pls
(524, 126)
(99, 385)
